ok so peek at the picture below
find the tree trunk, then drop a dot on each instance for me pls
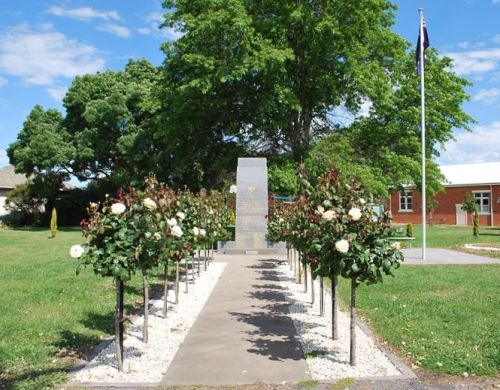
(186, 274)
(177, 281)
(335, 308)
(205, 257)
(165, 290)
(119, 324)
(305, 277)
(312, 288)
(353, 322)
(288, 256)
(146, 309)
(192, 268)
(199, 260)
(321, 298)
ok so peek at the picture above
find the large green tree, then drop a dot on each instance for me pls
(269, 71)
(270, 74)
(389, 137)
(106, 135)
(111, 118)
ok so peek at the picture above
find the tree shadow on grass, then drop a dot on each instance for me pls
(75, 345)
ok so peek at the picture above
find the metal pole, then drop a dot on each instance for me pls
(422, 120)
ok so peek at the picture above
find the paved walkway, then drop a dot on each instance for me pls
(444, 256)
(243, 335)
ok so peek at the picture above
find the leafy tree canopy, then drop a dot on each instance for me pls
(272, 70)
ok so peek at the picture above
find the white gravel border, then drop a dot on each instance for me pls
(315, 335)
(147, 363)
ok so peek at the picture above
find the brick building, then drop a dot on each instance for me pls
(482, 180)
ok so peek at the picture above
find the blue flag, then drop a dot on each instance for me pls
(426, 44)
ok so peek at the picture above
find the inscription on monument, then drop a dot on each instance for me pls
(251, 204)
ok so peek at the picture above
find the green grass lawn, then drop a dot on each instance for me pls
(48, 315)
(442, 318)
(448, 236)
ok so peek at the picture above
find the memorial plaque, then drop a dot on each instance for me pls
(251, 209)
(251, 204)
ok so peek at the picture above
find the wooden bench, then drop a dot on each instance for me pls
(403, 238)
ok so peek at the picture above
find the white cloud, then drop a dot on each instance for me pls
(115, 29)
(41, 55)
(4, 159)
(83, 13)
(57, 93)
(476, 61)
(463, 45)
(155, 19)
(3, 81)
(144, 31)
(496, 38)
(487, 95)
(480, 145)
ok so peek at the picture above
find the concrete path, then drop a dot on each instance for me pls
(444, 256)
(243, 335)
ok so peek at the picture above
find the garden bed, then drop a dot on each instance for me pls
(147, 363)
(328, 359)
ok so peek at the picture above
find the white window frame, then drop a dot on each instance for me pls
(405, 195)
(480, 206)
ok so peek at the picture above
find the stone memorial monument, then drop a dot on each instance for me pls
(251, 209)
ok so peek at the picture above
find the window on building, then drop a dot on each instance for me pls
(483, 201)
(405, 201)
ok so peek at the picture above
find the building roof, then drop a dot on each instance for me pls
(9, 179)
(470, 174)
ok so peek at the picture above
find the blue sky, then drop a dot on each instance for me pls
(45, 43)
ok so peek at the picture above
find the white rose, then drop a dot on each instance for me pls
(320, 210)
(203, 232)
(176, 231)
(219, 225)
(149, 203)
(196, 231)
(342, 246)
(76, 251)
(157, 236)
(362, 201)
(355, 214)
(172, 222)
(233, 189)
(181, 215)
(93, 205)
(328, 215)
(396, 245)
(118, 208)
(147, 234)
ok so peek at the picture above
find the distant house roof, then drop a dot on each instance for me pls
(470, 174)
(9, 179)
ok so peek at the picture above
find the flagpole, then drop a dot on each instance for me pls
(422, 120)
